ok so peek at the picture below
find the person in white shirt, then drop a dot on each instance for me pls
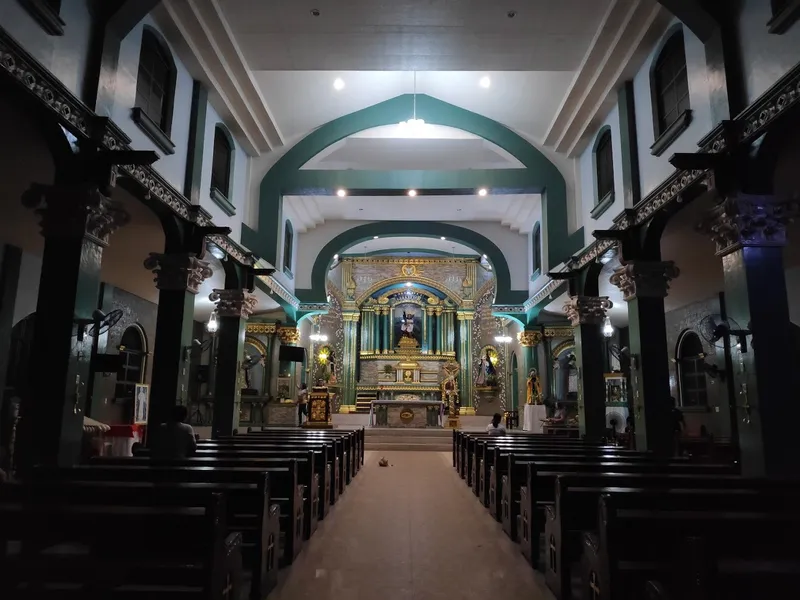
(496, 427)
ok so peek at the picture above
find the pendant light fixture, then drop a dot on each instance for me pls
(413, 123)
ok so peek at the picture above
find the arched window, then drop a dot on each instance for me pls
(536, 243)
(604, 165)
(133, 352)
(692, 389)
(669, 84)
(288, 247)
(155, 90)
(222, 162)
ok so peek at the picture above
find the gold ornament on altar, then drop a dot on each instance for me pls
(450, 388)
(534, 388)
(409, 270)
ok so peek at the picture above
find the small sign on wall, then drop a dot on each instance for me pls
(142, 404)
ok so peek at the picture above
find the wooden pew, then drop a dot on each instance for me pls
(748, 535)
(53, 548)
(576, 498)
(285, 491)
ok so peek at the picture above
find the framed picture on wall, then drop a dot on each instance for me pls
(141, 406)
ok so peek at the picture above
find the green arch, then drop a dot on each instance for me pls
(361, 233)
(287, 173)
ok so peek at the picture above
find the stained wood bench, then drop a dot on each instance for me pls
(53, 548)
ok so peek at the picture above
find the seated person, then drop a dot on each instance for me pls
(496, 427)
(175, 438)
(559, 416)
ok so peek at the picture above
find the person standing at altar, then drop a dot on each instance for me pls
(302, 403)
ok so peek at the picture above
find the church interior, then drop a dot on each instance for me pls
(300, 291)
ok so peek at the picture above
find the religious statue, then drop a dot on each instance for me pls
(248, 363)
(534, 388)
(407, 324)
(488, 373)
(450, 394)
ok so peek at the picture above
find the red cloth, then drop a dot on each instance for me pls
(127, 431)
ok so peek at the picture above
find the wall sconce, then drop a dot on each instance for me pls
(213, 323)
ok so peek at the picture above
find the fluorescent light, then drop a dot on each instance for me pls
(485, 82)
(374, 237)
(482, 192)
(412, 193)
(338, 84)
(443, 238)
(341, 193)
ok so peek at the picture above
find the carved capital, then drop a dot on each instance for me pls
(234, 303)
(587, 310)
(288, 335)
(744, 220)
(643, 279)
(529, 338)
(178, 272)
(70, 211)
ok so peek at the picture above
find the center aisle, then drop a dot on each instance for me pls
(410, 531)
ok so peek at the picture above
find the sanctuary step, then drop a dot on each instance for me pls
(419, 440)
(364, 402)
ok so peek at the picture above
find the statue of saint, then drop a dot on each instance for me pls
(407, 324)
(534, 388)
(248, 363)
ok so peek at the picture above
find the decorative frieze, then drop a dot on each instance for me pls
(644, 279)
(234, 303)
(262, 328)
(529, 339)
(178, 272)
(69, 211)
(288, 335)
(559, 332)
(587, 310)
(745, 220)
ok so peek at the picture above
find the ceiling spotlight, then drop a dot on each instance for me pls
(341, 193)
(510, 14)
(485, 82)
(338, 84)
(315, 12)
(485, 257)
(335, 257)
(412, 193)
(374, 237)
(483, 192)
(408, 284)
(443, 238)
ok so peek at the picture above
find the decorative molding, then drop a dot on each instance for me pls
(672, 133)
(781, 23)
(644, 279)
(152, 130)
(222, 201)
(558, 332)
(262, 328)
(602, 206)
(565, 345)
(587, 310)
(234, 303)
(395, 354)
(548, 289)
(308, 307)
(408, 261)
(748, 221)
(288, 335)
(280, 291)
(288, 272)
(456, 298)
(43, 13)
(178, 272)
(529, 339)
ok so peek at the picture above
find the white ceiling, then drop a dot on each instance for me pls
(391, 244)
(517, 212)
(418, 35)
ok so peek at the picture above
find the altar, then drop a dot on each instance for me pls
(410, 414)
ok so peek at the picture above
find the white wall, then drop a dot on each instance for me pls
(655, 169)
(65, 56)
(766, 57)
(172, 167)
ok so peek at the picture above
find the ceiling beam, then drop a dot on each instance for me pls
(699, 21)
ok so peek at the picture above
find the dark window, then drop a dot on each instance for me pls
(604, 163)
(670, 83)
(691, 375)
(288, 245)
(537, 248)
(221, 163)
(155, 84)
(131, 370)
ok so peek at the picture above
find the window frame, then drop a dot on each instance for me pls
(125, 389)
(665, 133)
(158, 131)
(47, 13)
(222, 197)
(603, 142)
(288, 248)
(536, 250)
(693, 376)
(783, 17)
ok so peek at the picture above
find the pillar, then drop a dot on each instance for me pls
(77, 220)
(385, 319)
(439, 330)
(750, 232)
(233, 309)
(376, 331)
(586, 314)
(448, 333)
(465, 321)
(429, 348)
(348, 382)
(289, 335)
(644, 286)
(178, 277)
(366, 329)
(528, 341)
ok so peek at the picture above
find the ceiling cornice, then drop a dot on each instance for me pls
(207, 47)
(629, 30)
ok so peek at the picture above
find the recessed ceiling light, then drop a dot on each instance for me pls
(341, 193)
(314, 12)
(483, 192)
(338, 84)
(485, 82)
(443, 238)
(335, 257)
(374, 237)
(412, 193)
(510, 14)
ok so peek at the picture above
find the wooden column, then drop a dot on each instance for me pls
(586, 314)
(750, 232)
(644, 286)
(233, 309)
(77, 220)
(178, 278)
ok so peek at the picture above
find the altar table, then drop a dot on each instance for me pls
(409, 414)
(534, 415)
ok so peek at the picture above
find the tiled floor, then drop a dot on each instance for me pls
(411, 531)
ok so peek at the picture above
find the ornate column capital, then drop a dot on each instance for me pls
(644, 279)
(234, 303)
(466, 315)
(747, 220)
(352, 317)
(529, 338)
(587, 310)
(70, 211)
(178, 272)
(438, 310)
(288, 334)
